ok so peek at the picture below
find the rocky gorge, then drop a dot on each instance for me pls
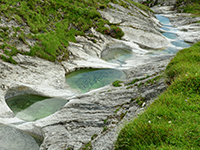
(93, 119)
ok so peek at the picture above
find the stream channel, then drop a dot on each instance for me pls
(85, 80)
(34, 107)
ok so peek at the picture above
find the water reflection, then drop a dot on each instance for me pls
(13, 139)
(86, 79)
(34, 107)
(116, 55)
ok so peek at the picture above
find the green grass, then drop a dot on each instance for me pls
(172, 121)
(136, 80)
(193, 8)
(88, 146)
(190, 6)
(117, 83)
(156, 79)
(53, 23)
(139, 5)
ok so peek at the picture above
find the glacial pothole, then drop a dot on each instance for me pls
(84, 80)
(14, 139)
(33, 107)
(116, 55)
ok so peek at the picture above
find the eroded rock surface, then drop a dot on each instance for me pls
(96, 117)
(141, 30)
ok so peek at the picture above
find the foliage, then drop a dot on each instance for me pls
(94, 136)
(88, 146)
(117, 83)
(157, 78)
(116, 32)
(136, 80)
(8, 59)
(172, 121)
(189, 59)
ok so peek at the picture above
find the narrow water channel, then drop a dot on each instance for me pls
(170, 32)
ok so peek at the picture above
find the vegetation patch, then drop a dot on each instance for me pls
(122, 115)
(105, 121)
(140, 100)
(94, 136)
(129, 87)
(117, 83)
(117, 109)
(88, 146)
(156, 79)
(189, 6)
(172, 121)
(54, 23)
(141, 6)
(136, 80)
(105, 128)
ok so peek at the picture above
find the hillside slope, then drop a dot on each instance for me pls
(44, 28)
(172, 121)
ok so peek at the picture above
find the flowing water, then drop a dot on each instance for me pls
(34, 107)
(84, 80)
(170, 32)
(13, 139)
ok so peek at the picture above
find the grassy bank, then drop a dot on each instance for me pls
(189, 6)
(173, 120)
(53, 23)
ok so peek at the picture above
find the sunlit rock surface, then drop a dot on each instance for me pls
(99, 113)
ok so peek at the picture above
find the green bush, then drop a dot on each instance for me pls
(117, 32)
